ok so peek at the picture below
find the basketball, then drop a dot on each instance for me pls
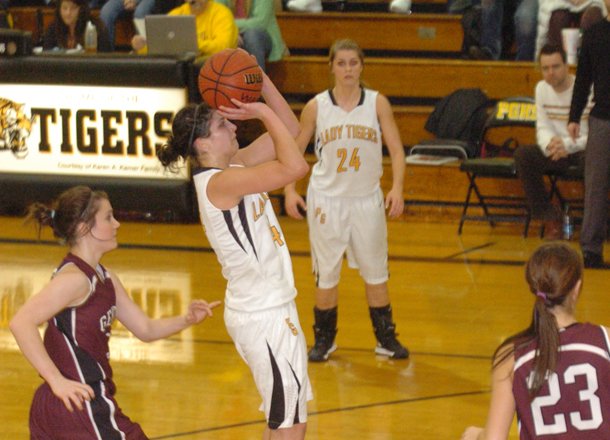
(230, 73)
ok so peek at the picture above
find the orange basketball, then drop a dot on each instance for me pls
(230, 73)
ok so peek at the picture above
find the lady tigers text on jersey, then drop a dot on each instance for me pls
(348, 131)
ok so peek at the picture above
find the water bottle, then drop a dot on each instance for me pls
(568, 227)
(90, 38)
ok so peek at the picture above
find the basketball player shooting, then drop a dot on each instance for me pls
(238, 218)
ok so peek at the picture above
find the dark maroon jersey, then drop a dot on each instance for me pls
(77, 337)
(77, 342)
(574, 401)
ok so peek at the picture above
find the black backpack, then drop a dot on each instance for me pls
(461, 116)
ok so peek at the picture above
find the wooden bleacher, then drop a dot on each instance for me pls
(411, 78)
(433, 33)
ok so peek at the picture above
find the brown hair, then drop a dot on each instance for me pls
(84, 15)
(551, 48)
(75, 205)
(190, 123)
(552, 273)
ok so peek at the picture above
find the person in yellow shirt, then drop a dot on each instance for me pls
(216, 28)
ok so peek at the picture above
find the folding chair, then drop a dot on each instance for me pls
(511, 123)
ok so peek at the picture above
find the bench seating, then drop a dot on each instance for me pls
(374, 31)
(411, 77)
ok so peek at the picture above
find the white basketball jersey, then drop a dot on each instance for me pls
(250, 247)
(348, 147)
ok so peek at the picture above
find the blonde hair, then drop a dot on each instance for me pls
(345, 44)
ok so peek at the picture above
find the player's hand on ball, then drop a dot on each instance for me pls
(199, 310)
(243, 110)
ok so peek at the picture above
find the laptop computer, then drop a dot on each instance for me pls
(171, 34)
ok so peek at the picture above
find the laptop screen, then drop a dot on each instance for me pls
(171, 34)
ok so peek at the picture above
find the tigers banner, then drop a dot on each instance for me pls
(84, 130)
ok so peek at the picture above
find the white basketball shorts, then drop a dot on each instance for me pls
(355, 226)
(272, 343)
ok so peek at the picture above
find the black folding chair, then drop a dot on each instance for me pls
(512, 123)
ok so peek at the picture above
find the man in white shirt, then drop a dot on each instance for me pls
(556, 150)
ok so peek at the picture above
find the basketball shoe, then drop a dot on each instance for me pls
(385, 332)
(400, 6)
(304, 5)
(325, 330)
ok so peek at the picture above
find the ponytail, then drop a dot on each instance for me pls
(190, 123)
(74, 206)
(552, 273)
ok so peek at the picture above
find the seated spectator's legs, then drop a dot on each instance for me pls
(560, 19)
(597, 164)
(144, 8)
(492, 14)
(531, 165)
(563, 18)
(258, 43)
(459, 6)
(109, 14)
(526, 24)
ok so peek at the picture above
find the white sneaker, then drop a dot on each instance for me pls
(400, 6)
(306, 5)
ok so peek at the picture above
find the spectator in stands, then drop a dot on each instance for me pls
(524, 13)
(399, 6)
(113, 9)
(67, 30)
(555, 15)
(593, 68)
(216, 27)
(555, 151)
(554, 374)
(259, 33)
(345, 205)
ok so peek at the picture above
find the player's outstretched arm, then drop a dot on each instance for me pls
(502, 406)
(276, 101)
(293, 202)
(148, 329)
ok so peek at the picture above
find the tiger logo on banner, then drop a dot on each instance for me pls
(15, 128)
